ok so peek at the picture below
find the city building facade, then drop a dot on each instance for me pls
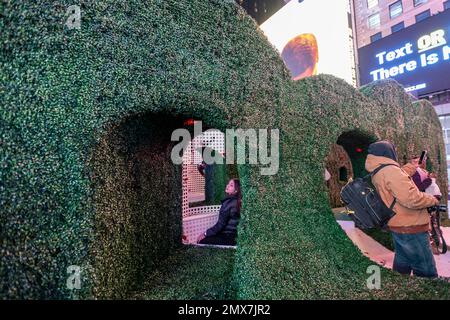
(376, 19)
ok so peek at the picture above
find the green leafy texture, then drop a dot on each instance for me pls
(381, 236)
(191, 273)
(86, 177)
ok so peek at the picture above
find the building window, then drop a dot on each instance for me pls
(395, 9)
(423, 15)
(374, 21)
(372, 3)
(446, 136)
(375, 37)
(398, 27)
(447, 5)
(419, 2)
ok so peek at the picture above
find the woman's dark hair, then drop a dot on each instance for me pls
(237, 188)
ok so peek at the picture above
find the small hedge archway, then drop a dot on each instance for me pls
(339, 166)
(346, 159)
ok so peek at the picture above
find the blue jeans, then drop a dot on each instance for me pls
(413, 253)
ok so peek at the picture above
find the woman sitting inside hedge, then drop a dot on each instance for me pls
(224, 232)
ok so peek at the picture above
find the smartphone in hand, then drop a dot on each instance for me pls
(422, 157)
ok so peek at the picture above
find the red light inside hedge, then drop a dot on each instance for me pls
(189, 122)
(359, 150)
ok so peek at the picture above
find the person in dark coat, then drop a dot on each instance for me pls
(224, 232)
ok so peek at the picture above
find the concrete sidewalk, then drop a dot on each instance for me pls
(384, 257)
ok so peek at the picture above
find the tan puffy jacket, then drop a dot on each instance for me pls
(410, 208)
(410, 169)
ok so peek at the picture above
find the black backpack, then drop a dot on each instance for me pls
(364, 204)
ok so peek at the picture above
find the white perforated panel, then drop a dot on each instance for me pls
(194, 226)
(193, 182)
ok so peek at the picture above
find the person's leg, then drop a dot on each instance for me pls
(401, 263)
(217, 240)
(229, 239)
(220, 239)
(423, 264)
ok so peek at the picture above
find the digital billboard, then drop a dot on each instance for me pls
(314, 36)
(418, 57)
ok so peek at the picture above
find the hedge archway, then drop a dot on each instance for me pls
(201, 59)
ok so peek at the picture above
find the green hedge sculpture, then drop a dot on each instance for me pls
(86, 178)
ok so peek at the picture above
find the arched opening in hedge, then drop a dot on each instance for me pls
(356, 144)
(140, 201)
(346, 160)
(203, 184)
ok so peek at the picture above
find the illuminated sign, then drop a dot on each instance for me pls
(312, 40)
(418, 57)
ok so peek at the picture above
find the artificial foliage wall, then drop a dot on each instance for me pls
(290, 228)
(86, 177)
(137, 200)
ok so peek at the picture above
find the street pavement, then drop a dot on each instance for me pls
(385, 257)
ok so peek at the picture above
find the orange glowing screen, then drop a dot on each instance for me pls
(301, 55)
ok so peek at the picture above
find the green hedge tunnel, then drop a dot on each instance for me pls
(86, 179)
